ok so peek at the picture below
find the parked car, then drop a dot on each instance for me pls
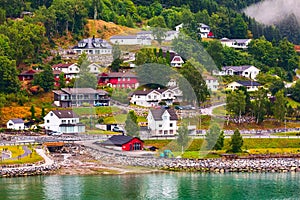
(117, 129)
(56, 133)
(178, 107)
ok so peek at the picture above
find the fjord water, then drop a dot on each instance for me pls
(183, 186)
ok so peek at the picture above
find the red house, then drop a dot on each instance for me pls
(118, 80)
(28, 75)
(124, 143)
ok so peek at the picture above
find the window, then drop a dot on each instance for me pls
(119, 79)
(63, 121)
(48, 121)
(128, 79)
(123, 79)
(51, 114)
(160, 125)
(171, 124)
(160, 131)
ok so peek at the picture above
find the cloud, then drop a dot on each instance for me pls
(273, 11)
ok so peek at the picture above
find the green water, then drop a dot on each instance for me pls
(154, 186)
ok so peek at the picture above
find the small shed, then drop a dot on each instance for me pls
(124, 143)
(16, 124)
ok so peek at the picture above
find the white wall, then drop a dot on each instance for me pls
(11, 125)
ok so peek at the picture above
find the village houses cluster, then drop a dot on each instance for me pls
(99, 51)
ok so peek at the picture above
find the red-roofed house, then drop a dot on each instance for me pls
(177, 61)
(28, 75)
(118, 80)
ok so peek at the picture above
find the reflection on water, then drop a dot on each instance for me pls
(183, 186)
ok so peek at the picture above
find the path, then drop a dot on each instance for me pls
(209, 110)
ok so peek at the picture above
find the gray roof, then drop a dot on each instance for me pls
(236, 68)
(157, 114)
(144, 32)
(123, 37)
(204, 25)
(234, 40)
(17, 121)
(79, 90)
(248, 83)
(89, 43)
(65, 114)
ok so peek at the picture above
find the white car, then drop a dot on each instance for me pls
(56, 133)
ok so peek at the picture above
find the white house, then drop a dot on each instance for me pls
(171, 35)
(212, 83)
(251, 86)
(235, 43)
(94, 68)
(65, 121)
(177, 61)
(16, 124)
(151, 98)
(178, 27)
(70, 70)
(204, 30)
(162, 122)
(93, 46)
(139, 39)
(248, 71)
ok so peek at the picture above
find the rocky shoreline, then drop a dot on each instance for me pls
(28, 170)
(118, 163)
(204, 165)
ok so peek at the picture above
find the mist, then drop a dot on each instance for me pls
(271, 12)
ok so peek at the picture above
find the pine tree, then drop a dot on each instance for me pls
(236, 142)
(131, 124)
(32, 111)
(183, 138)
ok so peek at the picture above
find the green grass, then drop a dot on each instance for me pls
(220, 111)
(101, 132)
(117, 119)
(16, 151)
(101, 110)
(255, 145)
(293, 103)
(287, 134)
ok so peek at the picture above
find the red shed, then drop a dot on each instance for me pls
(127, 143)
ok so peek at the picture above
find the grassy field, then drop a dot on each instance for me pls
(16, 151)
(101, 132)
(196, 148)
(101, 110)
(220, 111)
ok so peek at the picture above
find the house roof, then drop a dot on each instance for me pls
(157, 114)
(118, 75)
(29, 72)
(90, 43)
(177, 59)
(65, 114)
(17, 121)
(145, 92)
(79, 90)
(204, 25)
(248, 83)
(144, 32)
(62, 65)
(118, 140)
(237, 68)
(123, 37)
(234, 40)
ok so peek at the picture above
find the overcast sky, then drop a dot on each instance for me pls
(272, 11)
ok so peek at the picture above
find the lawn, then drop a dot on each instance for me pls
(117, 119)
(16, 151)
(220, 111)
(196, 148)
(101, 110)
(101, 132)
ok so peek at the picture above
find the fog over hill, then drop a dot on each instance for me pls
(273, 11)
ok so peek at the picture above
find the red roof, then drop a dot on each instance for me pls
(210, 34)
(62, 65)
(29, 72)
(297, 48)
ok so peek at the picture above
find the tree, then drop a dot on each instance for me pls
(86, 78)
(236, 142)
(159, 34)
(214, 49)
(154, 75)
(62, 80)
(131, 124)
(295, 91)
(192, 83)
(236, 103)
(276, 85)
(239, 28)
(279, 106)
(183, 136)
(260, 105)
(214, 138)
(9, 82)
(43, 114)
(45, 79)
(32, 111)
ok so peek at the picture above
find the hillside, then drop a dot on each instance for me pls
(105, 30)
